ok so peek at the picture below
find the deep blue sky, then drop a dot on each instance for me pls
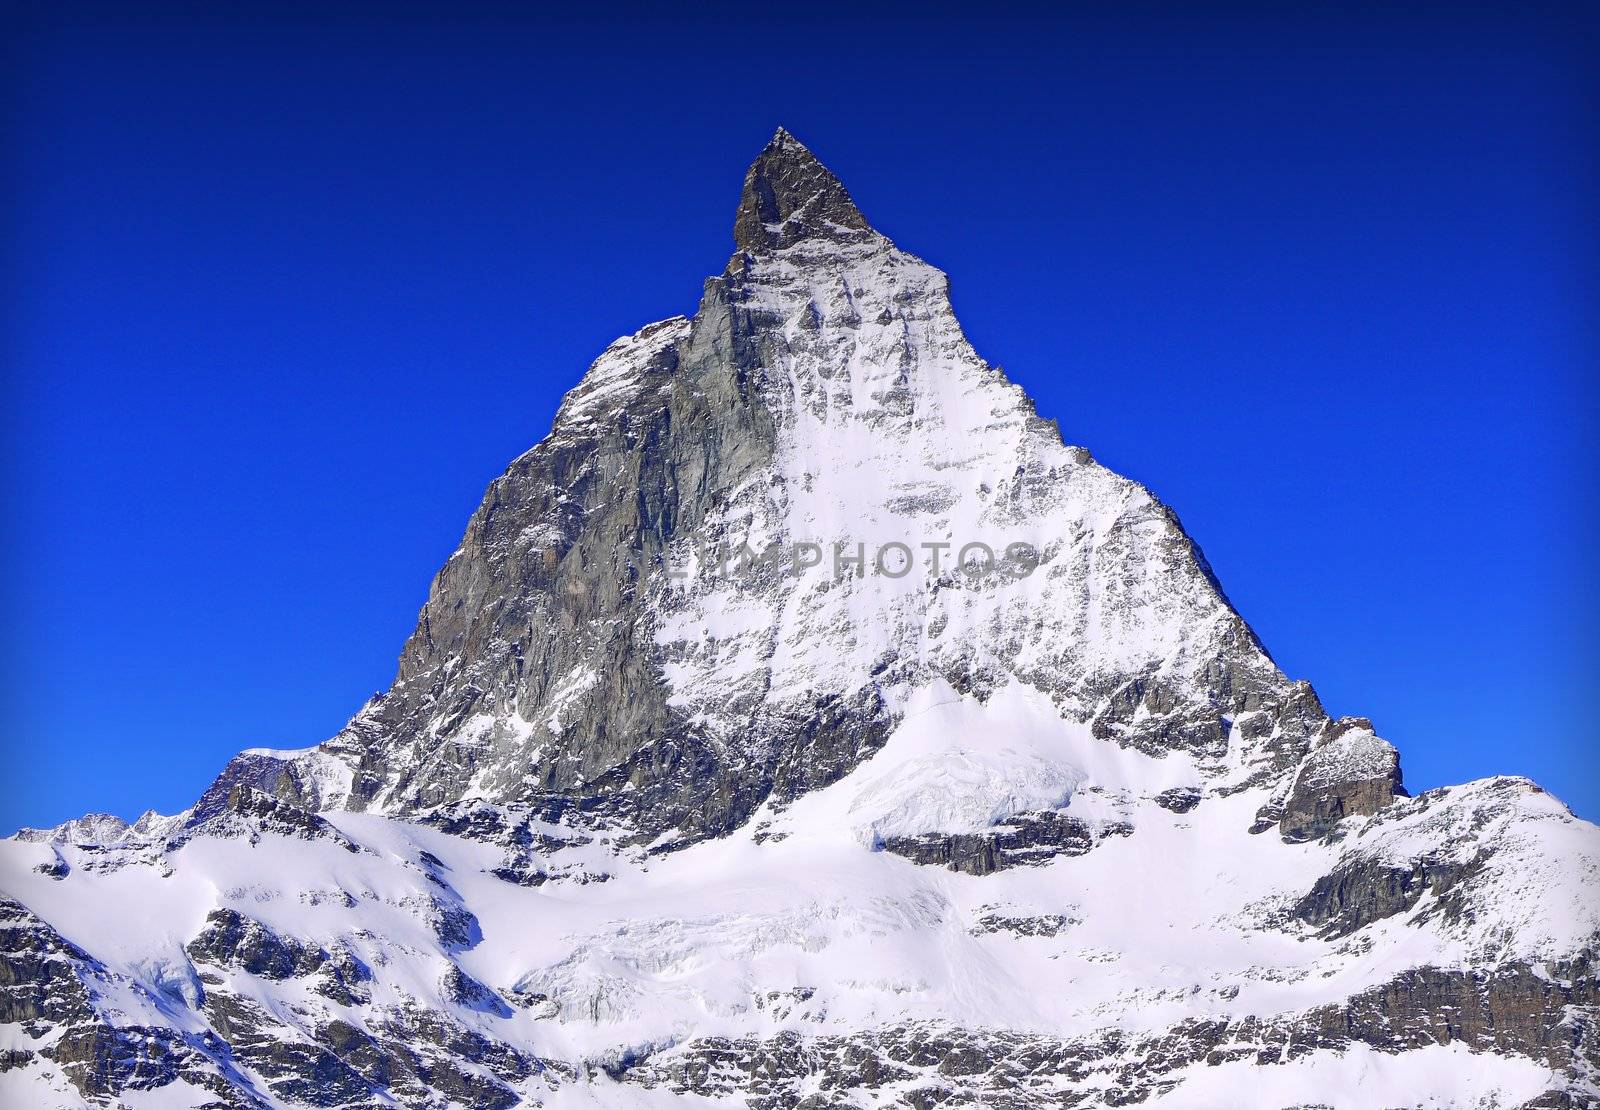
(287, 292)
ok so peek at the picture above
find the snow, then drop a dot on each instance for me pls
(615, 381)
(1359, 1078)
(1163, 926)
(891, 429)
(958, 765)
(92, 828)
(604, 1094)
(179, 1095)
(566, 693)
(40, 1088)
(1537, 893)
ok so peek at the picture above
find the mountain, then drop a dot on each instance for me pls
(803, 724)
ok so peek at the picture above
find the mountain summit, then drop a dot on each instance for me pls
(804, 723)
(788, 196)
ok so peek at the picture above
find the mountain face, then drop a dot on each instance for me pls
(803, 723)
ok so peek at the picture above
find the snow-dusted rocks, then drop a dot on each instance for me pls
(1350, 772)
(724, 768)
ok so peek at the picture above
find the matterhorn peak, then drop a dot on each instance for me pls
(789, 196)
(968, 787)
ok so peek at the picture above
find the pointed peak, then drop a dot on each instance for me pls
(789, 196)
(783, 139)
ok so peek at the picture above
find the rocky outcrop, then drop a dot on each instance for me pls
(92, 828)
(926, 1065)
(1363, 890)
(1349, 773)
(1027, 925)
(49, 994)
(1180, 799)
(1550, 1014)
(247, 812)
(231, 940)
(1018, 841)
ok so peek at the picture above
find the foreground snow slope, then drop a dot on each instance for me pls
(803, 927)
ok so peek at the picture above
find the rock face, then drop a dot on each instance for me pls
(790, 196)
(803, 723)
(1349, 773)
(1018, 840)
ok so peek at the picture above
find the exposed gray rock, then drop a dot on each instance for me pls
(248, 812)
(1029, 925)
(1350, 772)
(48, 992)
(789, 196)
(1362, 891)
(1180, 799)
(92, 828)
(231, 940)
(1550, 1016)
(1022, 840)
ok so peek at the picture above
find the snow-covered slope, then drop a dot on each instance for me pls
(637, 827)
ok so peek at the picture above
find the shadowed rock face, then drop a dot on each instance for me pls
(1363, 891)
(812, 841)
(789, 196)
(233, 940)
(1017, 841)
(48, 992)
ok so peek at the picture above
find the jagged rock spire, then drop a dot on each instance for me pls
(789, 196)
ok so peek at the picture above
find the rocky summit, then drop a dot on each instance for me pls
(804, 724)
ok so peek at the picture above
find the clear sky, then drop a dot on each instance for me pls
(287, 292)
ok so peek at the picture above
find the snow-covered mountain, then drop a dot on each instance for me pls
(803, 723)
